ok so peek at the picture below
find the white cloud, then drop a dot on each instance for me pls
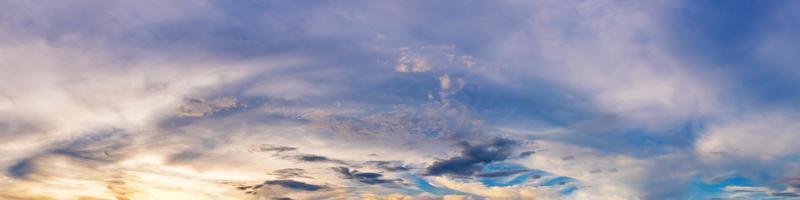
(765, 137)
(444, 82)
(614, 53)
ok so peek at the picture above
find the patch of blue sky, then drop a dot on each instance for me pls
(530, 177)
(510, 179)
(502, 166)
(558, 181)
(709, 189)
(426, 186)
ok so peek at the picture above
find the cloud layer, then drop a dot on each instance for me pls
(541, 99)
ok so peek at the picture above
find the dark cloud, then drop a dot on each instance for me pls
(793, 182)
(313, 158)
(473, 158)
(290, 153)
(97, 148)
(280, 149)
(391, 166)
(271, 148)
(318, 158)
(105, 146)
(295, 185)
(786, 194)
(244, 187)
(290, 173)
(22, 168)
(526, 154)
(500, 173)
(363, 177)
(286, 152)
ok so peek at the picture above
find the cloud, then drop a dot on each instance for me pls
(184, 99)
(444, 82)
(512, 192)
(500, 173)
(786, 194)
(196, 107)
(472, 158)
(290, 173)
(758, 136)
(364, 177)
(793, 182)
(269, 148)
(105, 146)
(22, 168)
(526, 154)
(391, 166)
(296, 185)
(317, 159)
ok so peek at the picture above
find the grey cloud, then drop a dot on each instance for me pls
(526, 154)
(295, 185)
(195, 109)
(786, 194)
(473, 158)
(290, 173)
(271, 148)
(199, 107)
(22, 168)
(184, 156)
(287, 152)
(104, 147)
(317, 158)
(793, 182)
(391, 166)
(244, 187)
(500, 173)
(313, 158)
(363, 177)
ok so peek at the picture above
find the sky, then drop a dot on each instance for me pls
(419, 99)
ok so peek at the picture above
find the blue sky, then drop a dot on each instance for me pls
(252, 99)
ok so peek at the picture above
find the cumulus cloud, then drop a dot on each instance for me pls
(473, 158)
